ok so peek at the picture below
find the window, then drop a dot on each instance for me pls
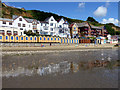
(4, 22)
(19, 24)
(20, 19)
(1, 31)
(51, 29)
(51, 19)
(10, 23)
(51, 33)
(60, 26)
(23, 25)
(75, 28)
(41, 24)
(51, 24)
(21, 28)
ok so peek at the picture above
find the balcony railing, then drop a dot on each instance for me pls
(9, 33)
(2, 33)
(45, 28)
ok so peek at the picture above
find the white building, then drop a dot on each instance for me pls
(44, 28)
(50, 26)
(63, 28)
(112, 39)
(7, 27)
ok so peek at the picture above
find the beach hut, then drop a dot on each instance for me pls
(72, 41)
(17, 38)
(58, 39)
(35, 39)
(51, 39)
(55, 39)
(6, 38)
(1, 38)
(77, 41)
(48, 39)
(12, 38)
(26, 39)
(22, 39)
(31, 39)
(40, 38)
(67, 41)
(44, 39)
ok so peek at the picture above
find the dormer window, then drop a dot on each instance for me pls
(20, 19)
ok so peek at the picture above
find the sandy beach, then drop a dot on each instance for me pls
(53, 70)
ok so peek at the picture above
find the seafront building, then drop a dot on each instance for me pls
(74, 31)
(89, 30)
(17, 25)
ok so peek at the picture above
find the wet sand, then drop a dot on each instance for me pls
(53, 70)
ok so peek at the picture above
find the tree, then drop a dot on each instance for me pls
(117, 32)
(91, 19)
(110, 30)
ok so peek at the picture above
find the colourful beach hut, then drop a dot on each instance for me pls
(1, 38)
(17, 38)
(6, 38)
(31, 39)
(48, 39)
(12, 38)
(26, 39)
(67, 41)
(22, 39)
(51, 38)
(40, 38)
(35, 39)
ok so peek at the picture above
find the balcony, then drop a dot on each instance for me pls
(45, 28)
(9, 34)
(2, 33)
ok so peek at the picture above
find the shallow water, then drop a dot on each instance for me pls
(61, 69)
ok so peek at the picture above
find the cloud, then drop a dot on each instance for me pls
(81, 5)
(110, 20)
(100, 11)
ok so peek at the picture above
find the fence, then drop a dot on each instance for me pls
(42, 39)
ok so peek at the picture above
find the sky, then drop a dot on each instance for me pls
(103, 12)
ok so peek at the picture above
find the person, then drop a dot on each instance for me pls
(50, 44)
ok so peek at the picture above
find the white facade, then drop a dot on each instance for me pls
(63, 28)
(7, 27)
(48, 27)
(52, 25)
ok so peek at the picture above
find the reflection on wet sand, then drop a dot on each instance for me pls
(60, 68)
